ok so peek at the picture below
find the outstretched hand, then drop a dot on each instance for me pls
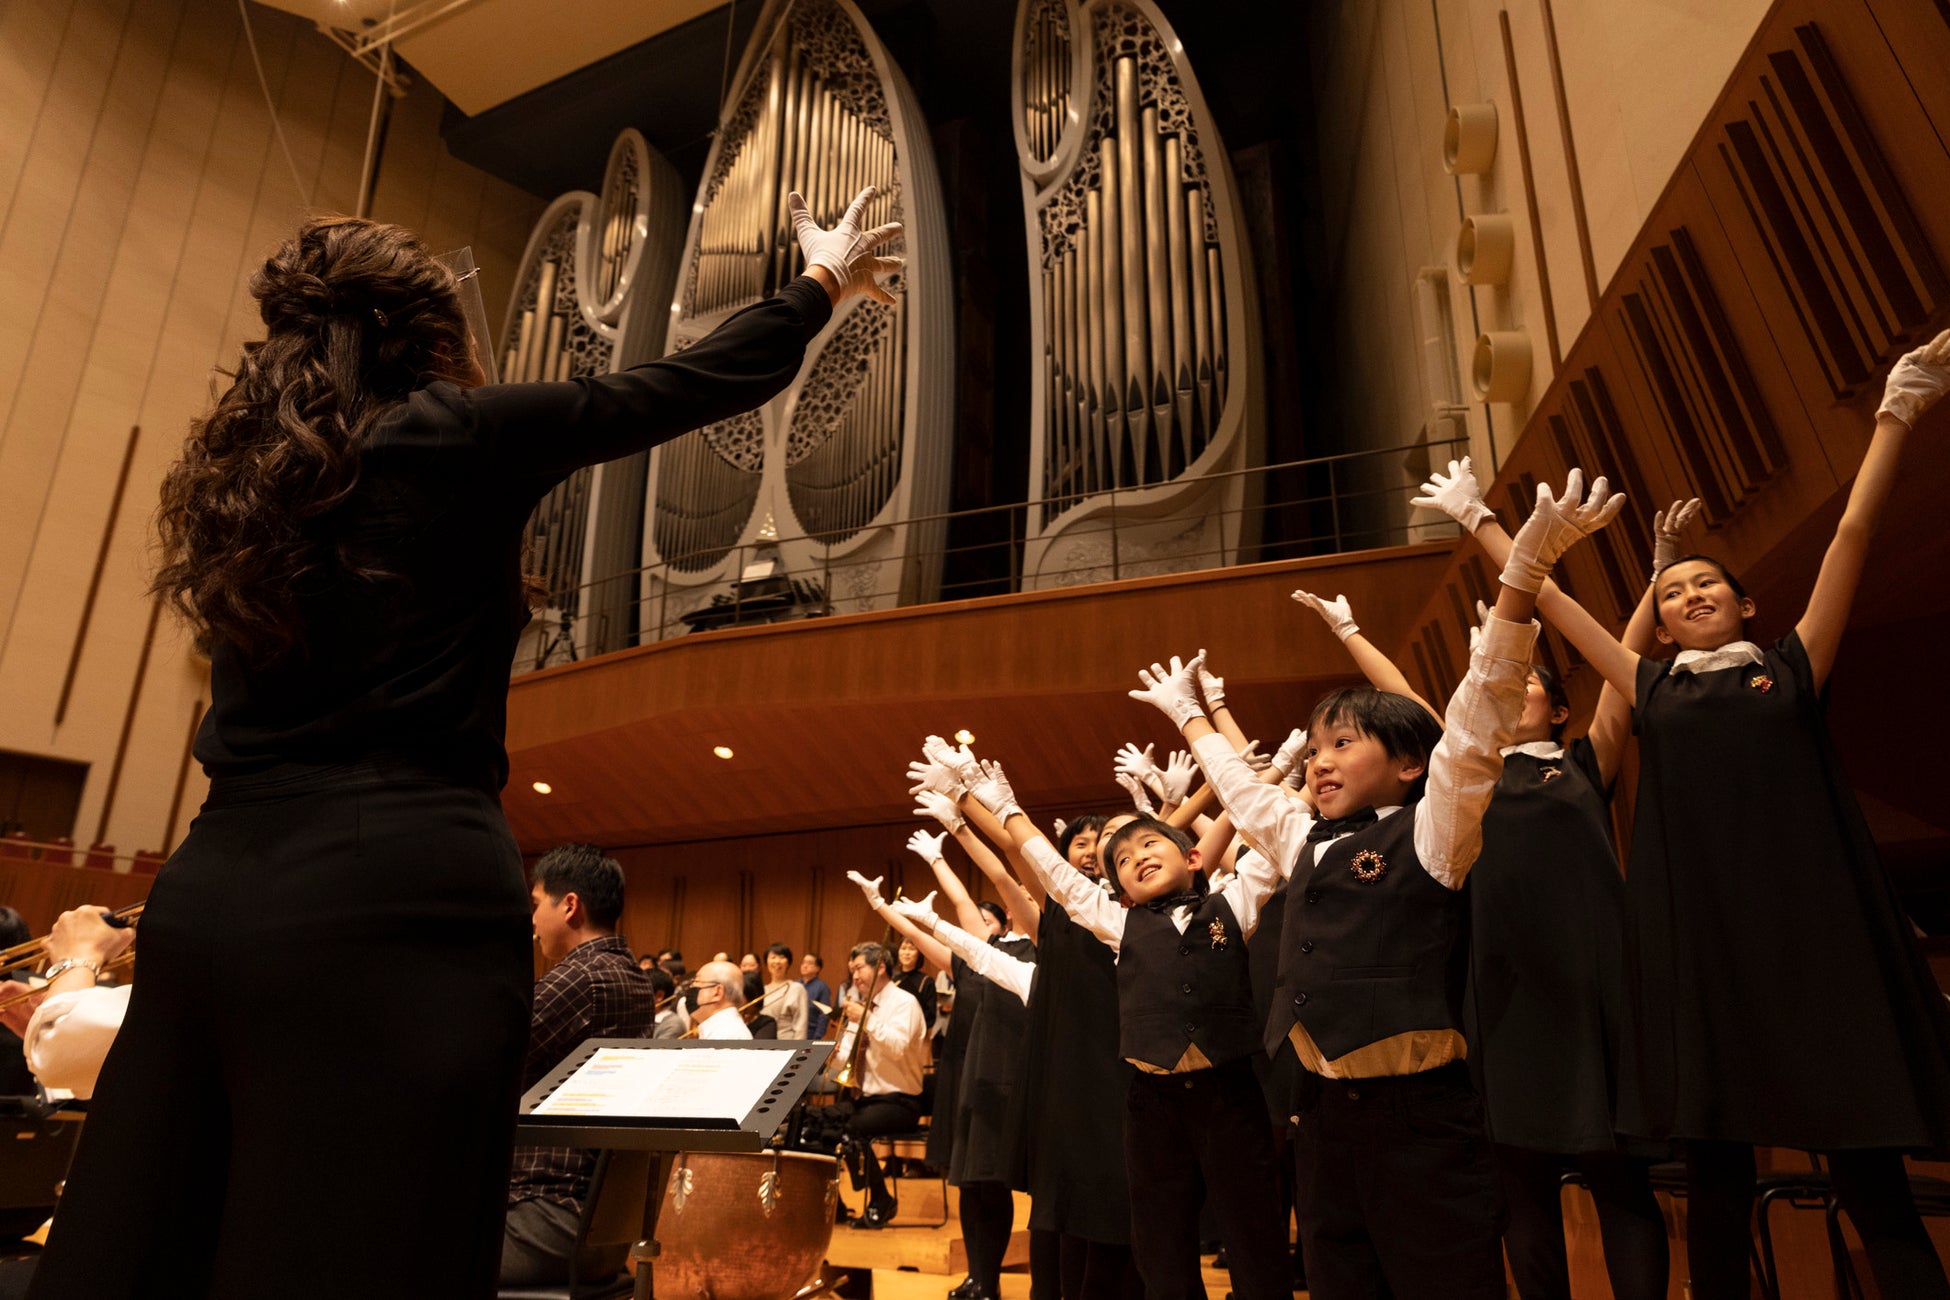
(1456, 494)
(1557, 524)
(1917, 380)
(846, 252)
(1173, 691)
(941, 808)
(1337, 613)
(871, 888)
(926, 847)
(1667, 527)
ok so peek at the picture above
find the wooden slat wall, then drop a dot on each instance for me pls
(41, 891)
(140, 185)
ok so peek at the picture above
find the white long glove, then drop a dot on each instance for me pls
(1252, 758)
(1555, 526)
(846, 251)
(1140, 797)
(1173, 691)
(1287, 758)
(1337, 612)
(1139, 763)
(1917, 380)
(925, 846)
(995, 793)
(1476, 633)
(962, 762)
(871, 888)
(1667, 525)
(1214, 687)
(1178, 776)
(1455, 494)
(940, 807)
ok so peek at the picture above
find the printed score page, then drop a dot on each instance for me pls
(648, 1083)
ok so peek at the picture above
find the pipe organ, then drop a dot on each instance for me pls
(588, 300)
(830, 477)
(1146, 367)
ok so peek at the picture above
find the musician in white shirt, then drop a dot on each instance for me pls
(719, 991)
(893, 1058)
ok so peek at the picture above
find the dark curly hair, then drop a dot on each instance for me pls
(356, 311)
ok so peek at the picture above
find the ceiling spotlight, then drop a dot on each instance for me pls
(964, 737)
(722, 751)
(543, 787)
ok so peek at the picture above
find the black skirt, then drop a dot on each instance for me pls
(990, 1072)
(324, 1045)
(1545, 1003)
(1067, 1123)
(948, 1062)
(1777, 992)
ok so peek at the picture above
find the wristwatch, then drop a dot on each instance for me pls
(66, 964)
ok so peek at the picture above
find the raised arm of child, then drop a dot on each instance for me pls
(1026, 911)
(1012, 973)
(929, 947)
(1087, 904)
(1378, 668)
(928, 848)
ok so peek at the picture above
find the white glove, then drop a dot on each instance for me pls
(1175, 691)
(932, 776)
(959, 761)
(1339, 616)
(871, 888)
(1062, 824)
(1139, 763)
(1288, 758)
(1139, 798)
(995, 793)
(925, 846)
(919, 911)
(1214, 687)
(1253, 758)
(1296, 779)
(1177, 776)
(1476, 633)
(1455, 494)
(1667, 525)
(940, 807)
(1555, 526)
(1917, 380)
(846, 251)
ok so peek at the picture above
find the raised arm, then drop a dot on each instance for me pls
(1087, 904)
(1012, 973)
(1915, 384)
(928, 848)
(1378, 668)
(1022, 907)
(929, 947)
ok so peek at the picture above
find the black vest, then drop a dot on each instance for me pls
(1175, 990)
(1363, 960)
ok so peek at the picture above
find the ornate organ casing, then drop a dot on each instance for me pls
(589, 300)
(1146, 380)
(835, 471)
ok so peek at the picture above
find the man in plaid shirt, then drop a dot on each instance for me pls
(593, 989)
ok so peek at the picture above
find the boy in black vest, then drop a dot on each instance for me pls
(1396, 1187)
(1193, 1110)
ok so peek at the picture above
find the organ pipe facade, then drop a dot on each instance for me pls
(834, 472)
(1146, 380)
(589, 299)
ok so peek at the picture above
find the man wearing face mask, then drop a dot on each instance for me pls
(714, 999)
(592, 989)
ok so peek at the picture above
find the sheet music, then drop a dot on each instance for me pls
(648, 1083)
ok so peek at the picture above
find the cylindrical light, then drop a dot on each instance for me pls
(1501, 366)
(1469, 139)
(1486, 246)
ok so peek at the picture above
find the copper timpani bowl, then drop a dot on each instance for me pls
(745, 1225)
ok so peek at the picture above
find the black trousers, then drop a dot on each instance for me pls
(1397, 1190)
(314, 1092)
(1208, 1125)
(1637, 1258)
(872, 1117)
(1874, 1191)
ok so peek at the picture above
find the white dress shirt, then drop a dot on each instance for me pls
(1462, 776)
(727, 1024)
(998, 967)
(896, 1055)
(70, 1034)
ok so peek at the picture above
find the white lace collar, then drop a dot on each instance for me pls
(1735, 654)
(1536, 749)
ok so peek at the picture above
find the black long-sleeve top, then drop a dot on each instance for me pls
(416, 668)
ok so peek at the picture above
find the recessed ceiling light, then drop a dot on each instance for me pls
(543, 787)
(722, 751)
(965, 736)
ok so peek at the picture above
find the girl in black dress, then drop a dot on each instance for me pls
(913, 976)
(343, 534)
(1778, 995)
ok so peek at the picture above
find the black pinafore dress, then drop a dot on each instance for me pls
(1777, 993)
(991, 1068)
(1544, 1010)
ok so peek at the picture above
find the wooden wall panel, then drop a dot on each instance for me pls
(41, 891)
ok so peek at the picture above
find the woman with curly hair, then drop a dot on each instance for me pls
(314, 1091)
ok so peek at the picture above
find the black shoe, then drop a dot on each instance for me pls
(1219, 1259)
(968, 1290)
(879, 1214)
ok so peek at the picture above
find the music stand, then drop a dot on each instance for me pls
(626, 1094)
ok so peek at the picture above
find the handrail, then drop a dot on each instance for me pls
(45, 847)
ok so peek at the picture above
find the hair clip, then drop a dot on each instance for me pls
(379, 316)
(469, 276)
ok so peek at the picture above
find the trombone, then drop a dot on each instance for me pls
(34, 951)
(849, 1073)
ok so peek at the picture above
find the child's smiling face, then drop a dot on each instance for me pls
(1698, 607)
(1348, 770)
(1149, 865)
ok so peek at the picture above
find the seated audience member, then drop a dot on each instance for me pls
(669, 1024)
(762, 1024)
(714, 1000)
(593, 989)
(891, 1067)
(819, 995)
(785, 998)
(673, 961)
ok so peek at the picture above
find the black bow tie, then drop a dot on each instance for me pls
(1329, 828)
(1171, 903)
